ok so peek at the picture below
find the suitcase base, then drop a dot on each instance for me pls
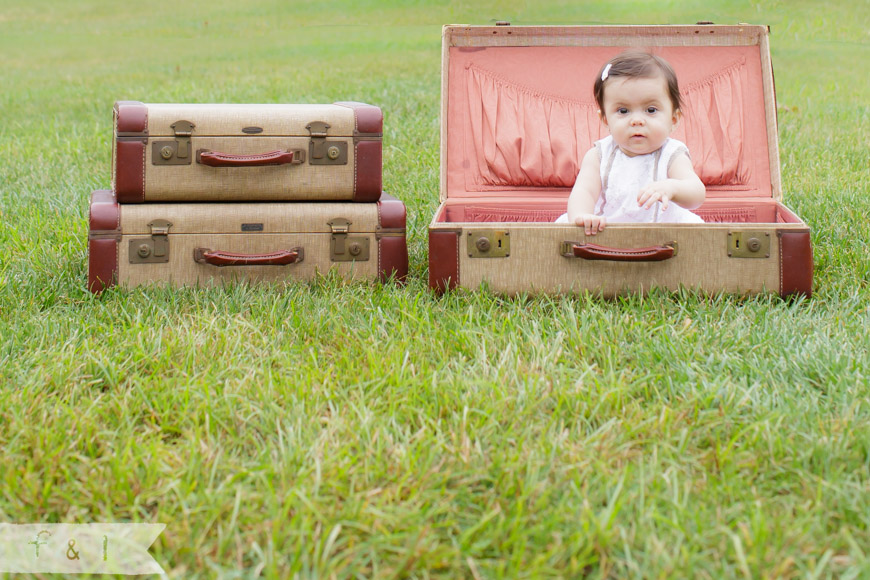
(469, 245)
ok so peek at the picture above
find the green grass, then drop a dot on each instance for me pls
(344, 430)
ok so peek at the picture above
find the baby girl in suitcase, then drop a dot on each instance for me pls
(638, 174)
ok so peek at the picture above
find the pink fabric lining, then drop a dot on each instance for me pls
(520, 119)
(522, 137)
(526, 137)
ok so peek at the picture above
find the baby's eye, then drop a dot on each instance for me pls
(652, 110)
(622, 111)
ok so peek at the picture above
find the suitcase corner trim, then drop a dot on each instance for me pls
(104, 237)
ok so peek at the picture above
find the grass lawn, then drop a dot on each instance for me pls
(348, 430)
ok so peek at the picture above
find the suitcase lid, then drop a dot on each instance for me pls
(518, 112)
(346, 119)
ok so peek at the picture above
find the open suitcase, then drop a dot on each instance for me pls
(517, 117)
(208, 243)
(232, 152)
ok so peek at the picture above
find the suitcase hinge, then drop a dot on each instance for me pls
(345, 248)
(153, 250)
(320, 150)
(174, 152)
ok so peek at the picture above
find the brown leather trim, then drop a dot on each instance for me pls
(367, 178)
(102, 264)
(130, 170)
(131, 117)
(391, 212)
(443, 260)
(105, 218)
(105, 213)
(393, 258)
(368, 118)
(795, 264)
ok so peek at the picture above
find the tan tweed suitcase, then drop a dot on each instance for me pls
(518, 115)
(211, 243)
(193, 153)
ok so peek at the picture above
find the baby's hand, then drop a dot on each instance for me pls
(591, 222)
(655, 191)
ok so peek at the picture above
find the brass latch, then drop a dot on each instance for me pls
(748, 244)
(322, 151)
(175, 152)
(345, 248)
(488, 244)
(153, 250)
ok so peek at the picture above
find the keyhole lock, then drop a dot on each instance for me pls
(144, 251)
(333, 152)
(488, 244)
(354, 249)
(166, 152)
(751, 244)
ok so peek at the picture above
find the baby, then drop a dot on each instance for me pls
(638, 173)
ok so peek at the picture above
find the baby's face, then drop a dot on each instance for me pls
(639, 113)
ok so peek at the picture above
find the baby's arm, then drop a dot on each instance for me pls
(584, 195)
(682, 186)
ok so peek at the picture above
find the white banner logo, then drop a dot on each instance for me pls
(79, 548)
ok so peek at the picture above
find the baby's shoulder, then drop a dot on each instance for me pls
(673, 145)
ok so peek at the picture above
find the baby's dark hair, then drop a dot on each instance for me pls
(637, 64)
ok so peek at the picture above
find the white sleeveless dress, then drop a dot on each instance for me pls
(622, 177)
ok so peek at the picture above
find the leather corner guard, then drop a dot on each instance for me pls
(795, 264)
(103, 240)
(102, 264)
(391, 212)
(131, 131)
(105, 213)
(130, 170)
(368, 170)
(393, 258)
(131, 117)
(368, 133)
(368, 118)
(393, 240)
(443, 260)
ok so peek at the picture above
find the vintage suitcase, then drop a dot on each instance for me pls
(502, 187)
(192, 153)
(208, 243)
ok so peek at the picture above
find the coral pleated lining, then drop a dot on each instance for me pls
(523, 137)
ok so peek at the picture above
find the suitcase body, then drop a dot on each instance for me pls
(193, 153)
(210, 243)
(517, 117)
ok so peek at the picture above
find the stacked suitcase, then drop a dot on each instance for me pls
(208, 193)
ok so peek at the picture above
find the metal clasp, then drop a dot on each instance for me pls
(345, 248)
(175, 152)
(320, 150)
(153, 250)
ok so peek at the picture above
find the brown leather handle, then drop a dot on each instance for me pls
(218, 258)
(596, 252)
(279, 157)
